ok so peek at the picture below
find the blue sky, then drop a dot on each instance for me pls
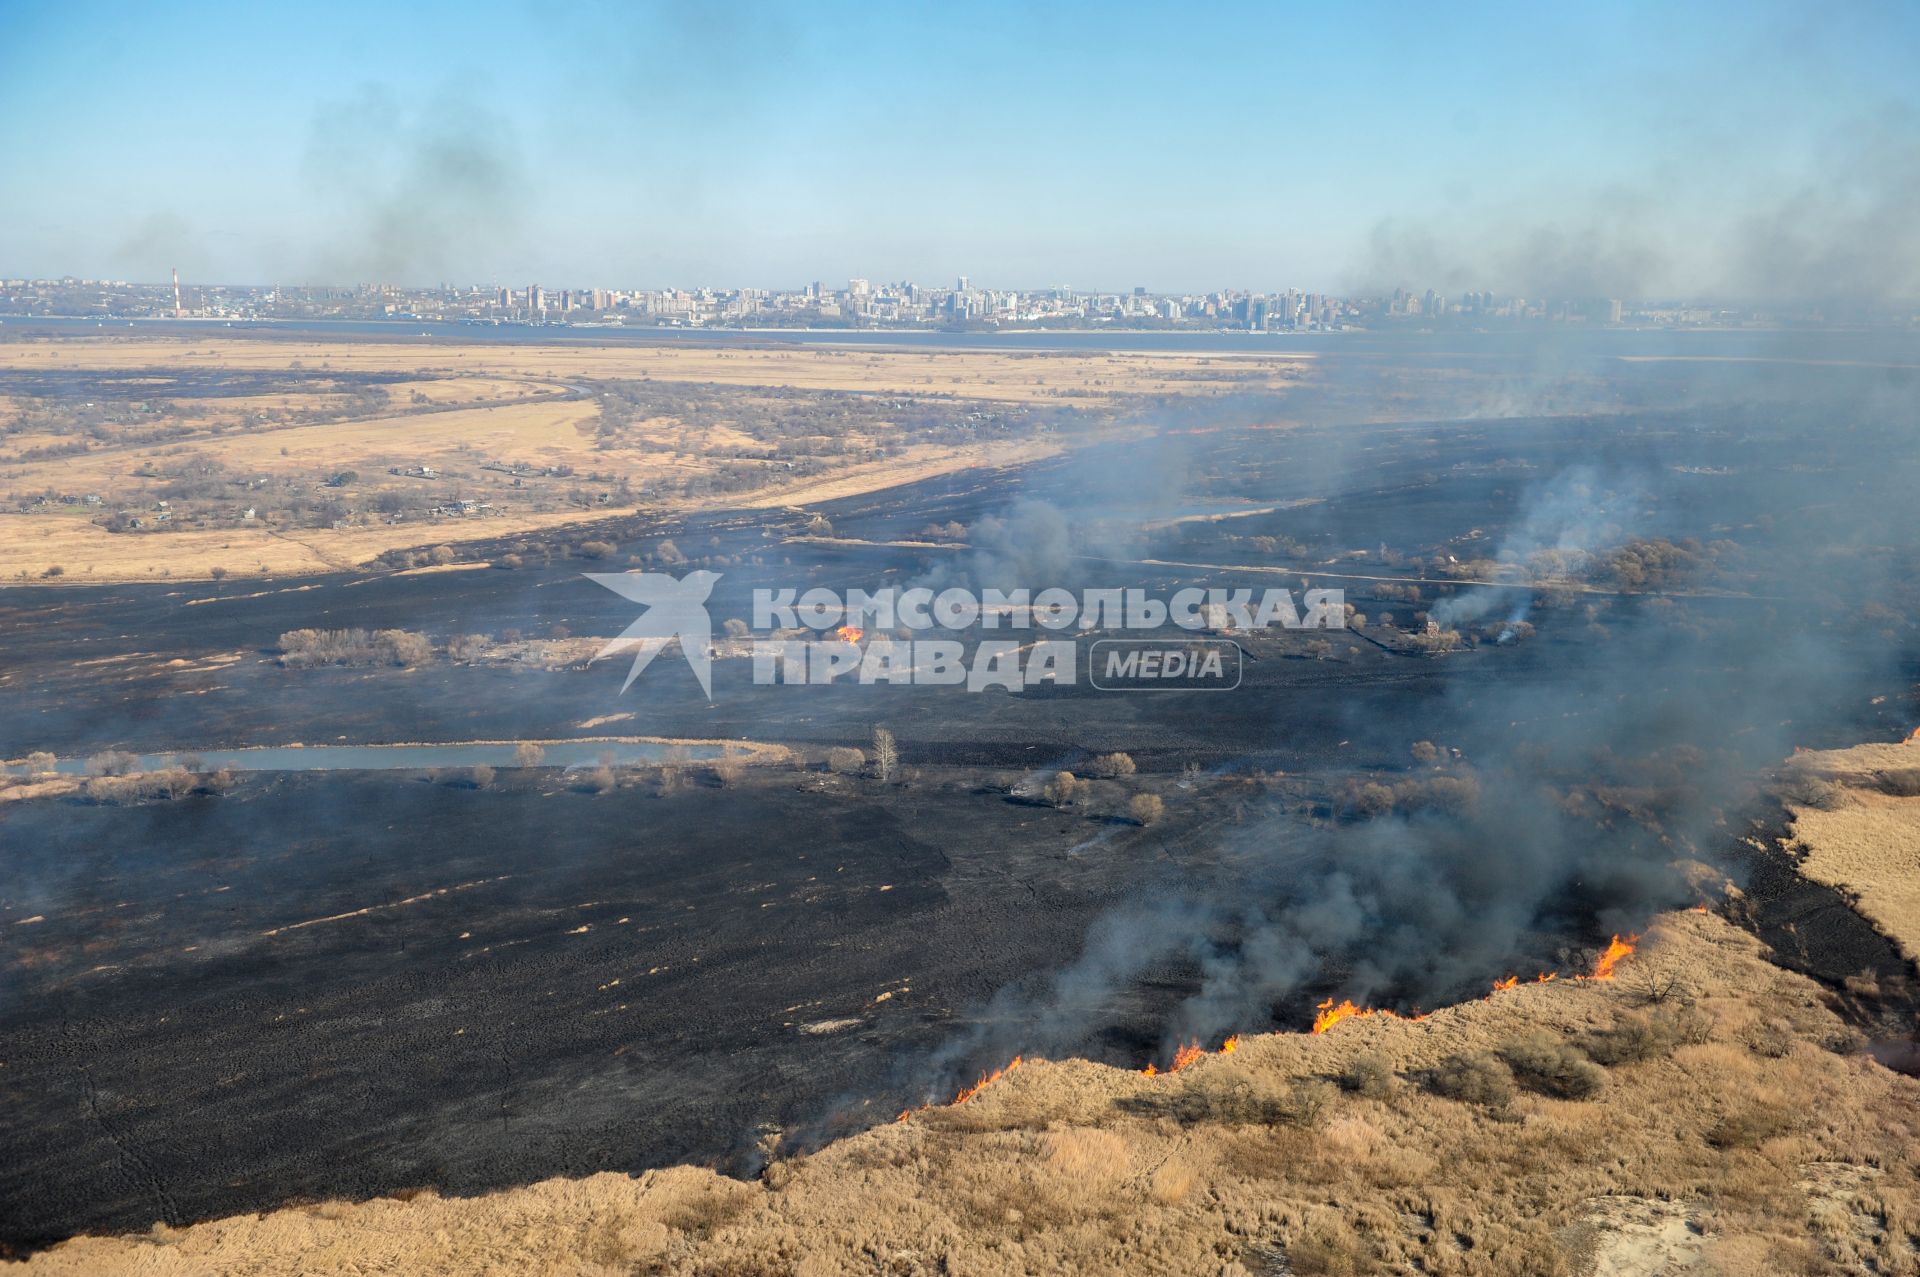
(1100, 145)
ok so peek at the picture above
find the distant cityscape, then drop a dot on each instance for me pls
(864, 304)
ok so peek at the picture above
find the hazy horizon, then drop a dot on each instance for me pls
(1726, 152)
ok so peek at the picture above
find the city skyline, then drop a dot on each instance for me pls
(1339, 151)
(865, 304)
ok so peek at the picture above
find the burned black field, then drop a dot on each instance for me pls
(351, 983)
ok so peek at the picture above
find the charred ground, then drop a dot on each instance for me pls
(180, 1046)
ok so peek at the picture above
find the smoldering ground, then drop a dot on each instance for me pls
(1567, 807)
(1242, 907)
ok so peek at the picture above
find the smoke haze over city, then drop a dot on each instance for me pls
(1726, 151)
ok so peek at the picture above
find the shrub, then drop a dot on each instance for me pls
(1634, 1038)
(597, 549)
(302, 649)
(1308, 1102)
(1750, 1126)
(1547, 1064)
(1114, 765)
(1804, 790)
(844, 759)
(1235, 1099)
(117, 789)
(1325, 1252)
(1369, 1076)
(111, 762)
(1146, 808)
(1475, 1078)
(1773, 1040)
(1371, 799)
(1903, 783)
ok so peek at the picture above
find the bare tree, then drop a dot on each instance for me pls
(1146, 808)
(845, 759)
(1063, 788)
(528, 754)
(886, 754)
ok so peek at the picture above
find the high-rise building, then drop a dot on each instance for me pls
(536, 299)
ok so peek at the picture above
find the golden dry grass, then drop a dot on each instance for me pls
(1866, 841)
(496, 404)
(1711, 1159)
(1018, 376)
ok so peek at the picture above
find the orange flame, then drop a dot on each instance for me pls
(1913, 737)
(1507, 983)
(850, 633)
(1331, 1015)
(987, 1080)
(1188, 1053)
(1616, 950)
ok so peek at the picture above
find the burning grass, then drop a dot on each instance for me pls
(1250, 1160)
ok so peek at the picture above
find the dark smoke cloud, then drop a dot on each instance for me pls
(417, 196)
(1837, 228)
(161, 242)
(1588, 782)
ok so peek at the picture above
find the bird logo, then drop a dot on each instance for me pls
(676, 609)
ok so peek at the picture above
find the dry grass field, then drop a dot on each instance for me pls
(977, 374)
(1728, 1128)
(350, 450)
(1862, 832)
